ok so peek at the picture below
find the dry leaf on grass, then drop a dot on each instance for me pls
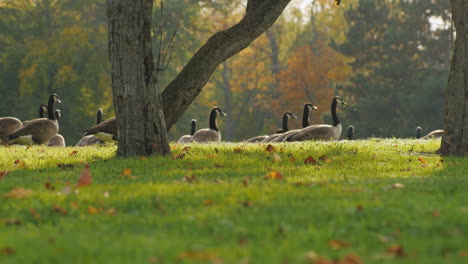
(274, 175)
(58, 209)
(338, 244)
(12, 221)
(310, 161)
(396, 251)
(18, 193)
(85, 177)
(93, 210)
(73, 153)
(3, 174)
(7, 251)
(270, 148)
(276, 158)
(238, 150)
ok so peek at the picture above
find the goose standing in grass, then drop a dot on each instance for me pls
(91, 139)
(434, 134)
(8, 125)
(322, 132)
(284, 128)
(58, 140)
(188, 138)
(350, 134)
(211, 134)
(105, 131)
(418, 132)
(37, 131)
(305, 123)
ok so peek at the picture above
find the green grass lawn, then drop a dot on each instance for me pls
(372, 201)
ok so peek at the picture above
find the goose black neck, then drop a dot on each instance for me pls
(418, 132)
(336, 121)
(50, 108)
(350, 133)
(99, 117)
(41, 111)
(194, 126)
(213, 124)
(285, 123)
(305, 116)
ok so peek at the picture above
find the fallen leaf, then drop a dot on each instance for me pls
(310, 160)
(64, 166)
(247, 203)
(198, 256)
(245, 182)
(291, 158)
(219, 181)
(111, 211)
(191, 178)
(208, 202)
(35, 214)
(177, 156)
(74, 205)
(435, 214)
(127, 172)
(238, 150)
(12, 221)
(276, 158)
(274, 175)
(49, 186)
(18, 193)
(73, 153)
(187, 148)
(3, 174)
(359, 207)
(350, 259)
(396, 251)
(93, 210)
(323, 158)
(270, 148)
(142, 158)
(58, 209)
(338, 244)
(398, 186)
(19, 164)
(85, 177)
(422, 160)
(463, 253)
(7, 251)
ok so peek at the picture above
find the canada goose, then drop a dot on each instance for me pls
(188, 138)
(322, 132)
(211, 134)
(8, 125)
(38, 131)
(434, 134)
(350, 133)
(105, 131)
(91, 139)
(58, 140)
(305, 123)
(418, 132)
(284, 128)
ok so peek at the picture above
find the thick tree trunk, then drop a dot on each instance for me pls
(228, 102)
(137, 101)
(179, 94)
(455, 139)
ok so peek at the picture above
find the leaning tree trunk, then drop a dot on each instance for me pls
(180, 93)
(137, 101)
(455, 139)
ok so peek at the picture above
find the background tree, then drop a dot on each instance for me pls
(455, 140)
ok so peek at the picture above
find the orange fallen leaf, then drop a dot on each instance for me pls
(93, 210)
(49, 186)
(34, 213)
(310, 160)
(245, 182)
(291, 158)
(274, 175)
(463, 253)
(19, 164)
(74, 205)
(85, 177)
(270, 148)
(238, 150)
(177, 156)
(435, 214)
(58, 209)
(187, 148)
(396, 250)
(422, 160)
(359, 207)
(18, 193)
(73, 153)
(198, 256)
(338, 244)
(190, 178)
(3, 174)
(127, 172)
(7, 251)
(247, 203)
(12, 221)
(208, 202)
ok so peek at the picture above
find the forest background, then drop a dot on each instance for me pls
(389, 59)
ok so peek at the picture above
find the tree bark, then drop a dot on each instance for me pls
(137, 101)
(455, 139)
(180, 93)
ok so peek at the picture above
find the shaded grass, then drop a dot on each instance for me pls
(228, 212)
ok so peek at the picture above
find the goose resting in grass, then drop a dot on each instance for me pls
(284, 128)
(58, 140)
(211, 134)
(91, 139)
(105, 131)
(38, 131)
(8, 125)
(322, 132)
(305, 123)
(434, 134)
(188, 138)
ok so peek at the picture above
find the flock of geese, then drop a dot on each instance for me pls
(44, 130)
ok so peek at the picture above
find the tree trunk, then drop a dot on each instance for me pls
(180, 93)
(227, 102)
(455, 139)
(137, 101)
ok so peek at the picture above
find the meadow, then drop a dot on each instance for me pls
(364, 201)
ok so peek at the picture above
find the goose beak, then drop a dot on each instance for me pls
(344, 103)
(224, 114)
(293, 116)
(58, 101)
(314, 107)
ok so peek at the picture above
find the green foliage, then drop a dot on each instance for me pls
(400, 68)
(211, 203)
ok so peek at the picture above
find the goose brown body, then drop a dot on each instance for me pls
(90, 140)
(58, 140)
(434, 134)
(211, 134)
(188, 138)
(8, 125)
(284, 128)
(105, 131)
(305, 123)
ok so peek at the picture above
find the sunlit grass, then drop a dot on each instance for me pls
(212, 204)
